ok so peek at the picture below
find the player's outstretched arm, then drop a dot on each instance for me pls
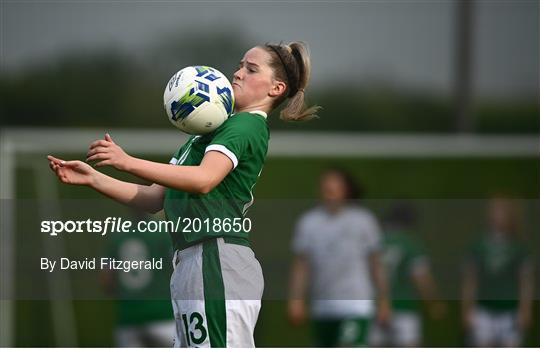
(142, 197)
(201, 179)
(298, 283)
(194, 179)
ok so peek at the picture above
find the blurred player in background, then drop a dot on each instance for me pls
(410, 279)
(143, 307)
(498, 280)
(337, 253)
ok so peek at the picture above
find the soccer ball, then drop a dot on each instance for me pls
(198, 99)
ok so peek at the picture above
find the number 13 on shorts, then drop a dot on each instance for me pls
(192, 328)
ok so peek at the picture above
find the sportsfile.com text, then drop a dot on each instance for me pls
(120, 225)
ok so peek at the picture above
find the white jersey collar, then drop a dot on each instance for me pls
(260, 112)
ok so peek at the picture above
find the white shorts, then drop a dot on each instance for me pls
(154, 334)
(495, 328)
(404, 330)
(216, 291)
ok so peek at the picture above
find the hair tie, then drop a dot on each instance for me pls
(292, 87)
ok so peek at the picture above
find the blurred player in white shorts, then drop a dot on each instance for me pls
(498, 280)
(337, 247)
(410, 281)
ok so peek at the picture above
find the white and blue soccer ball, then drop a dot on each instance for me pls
(198, 99)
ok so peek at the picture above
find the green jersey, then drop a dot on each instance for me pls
(143, 294)
(403, 255)
(243, 138)
(498, 264)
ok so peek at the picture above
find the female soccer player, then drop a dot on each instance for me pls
(336, 249)
(498, 280)
(217, 284)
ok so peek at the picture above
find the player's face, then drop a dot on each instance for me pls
(499, 215)
(333, 188)
(253, 80)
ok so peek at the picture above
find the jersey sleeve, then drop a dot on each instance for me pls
(300, 240)
(373, 234)
(236, 137)
(418, 259)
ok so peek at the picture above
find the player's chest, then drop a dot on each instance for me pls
(193, 154)
(335, 237)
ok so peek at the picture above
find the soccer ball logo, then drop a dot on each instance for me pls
(198, 99)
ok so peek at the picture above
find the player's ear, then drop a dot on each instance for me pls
(278, 88)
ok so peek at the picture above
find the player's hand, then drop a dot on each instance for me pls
(72, 172)
(106, 152)
(297, 311)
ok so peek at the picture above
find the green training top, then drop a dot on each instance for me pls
(143, 295)
(403, 254)
(498, 264)
(243, 138)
